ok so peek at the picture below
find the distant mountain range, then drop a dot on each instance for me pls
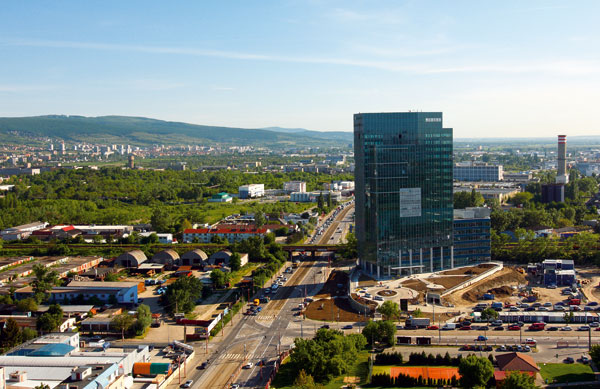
(145, 131)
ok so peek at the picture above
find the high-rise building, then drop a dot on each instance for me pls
(404, 208)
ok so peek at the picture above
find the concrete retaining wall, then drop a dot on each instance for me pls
(499, 266)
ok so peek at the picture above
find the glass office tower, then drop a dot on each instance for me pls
(404, 209)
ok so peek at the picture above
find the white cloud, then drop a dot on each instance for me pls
(558, 67)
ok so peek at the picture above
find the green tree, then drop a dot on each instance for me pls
(389, 310)
(44, 280)
(181, 296)
(28, 334)
(27, 305)
(235, 262)
(568, 317)
(519, 380)
(468, 199)
(122, 323)
(595, 353)
(475, 372)
(489, 314)
(259, 219)
(10, 335)
(161, 220)
(305, 381)
(219, 278)
(521, 198)
(46, 323)
(143, 319)
(380, 331)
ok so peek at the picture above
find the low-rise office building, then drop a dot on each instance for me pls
(119, 292)
(472, 236)
(477, 172)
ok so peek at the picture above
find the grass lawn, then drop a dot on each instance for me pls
(287, 374)
(563, 372)
(246, 270)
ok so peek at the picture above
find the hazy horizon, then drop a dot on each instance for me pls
(504, 69)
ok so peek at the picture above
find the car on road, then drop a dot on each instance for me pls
(566, 328)
(583, 328)
(552, 329)
(202, 366)
(481, 338)
(378, 298)
(484, 328)
(551, 286)
(347, 327)
(559, 308)
(465, 328)
(548, 304)
(514, 327)
(595, 324)
(258, 309)
(568, 360)
(433, 328)
(592, 304)
(248, 365)
(499, 328)
(496, 323)
(584, 359)
(530, 341)
(326, 326)
(526, 348)
(187, 384)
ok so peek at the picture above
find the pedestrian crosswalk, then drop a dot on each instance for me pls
(235, 357)
(266, 317)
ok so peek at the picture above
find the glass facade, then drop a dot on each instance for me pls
(472, 241)
(404, 209)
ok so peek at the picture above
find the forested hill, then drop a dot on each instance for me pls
(145, 131)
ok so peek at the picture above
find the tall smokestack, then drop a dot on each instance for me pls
(561, 176)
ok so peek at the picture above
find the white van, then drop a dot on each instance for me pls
(449, 326)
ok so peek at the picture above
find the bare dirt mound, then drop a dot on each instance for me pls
(417, 285)
(448, 282)
(503, 281)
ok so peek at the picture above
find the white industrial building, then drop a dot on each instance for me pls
(251, 191)
(62, 361)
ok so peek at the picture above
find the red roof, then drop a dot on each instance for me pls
(68, 228)
(227, 230)
(516, 361)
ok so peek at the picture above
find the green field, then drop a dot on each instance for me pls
(563, 372)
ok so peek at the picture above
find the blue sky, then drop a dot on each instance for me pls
(504, 68)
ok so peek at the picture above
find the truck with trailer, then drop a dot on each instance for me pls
(418, 322)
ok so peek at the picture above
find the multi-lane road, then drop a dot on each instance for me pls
(251, 340)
